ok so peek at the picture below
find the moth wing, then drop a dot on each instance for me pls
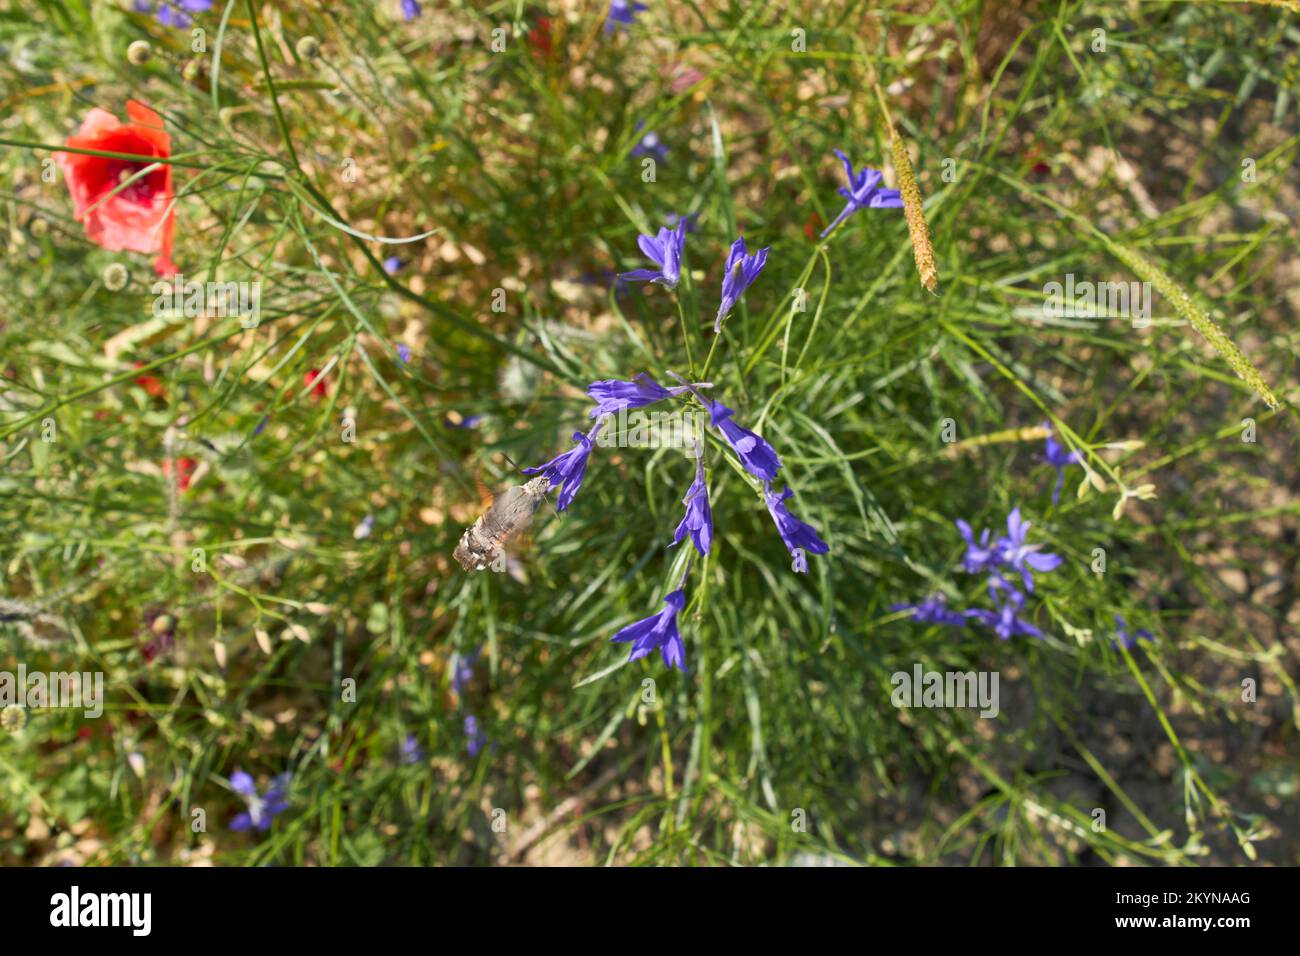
(520, 543)
(485, 495)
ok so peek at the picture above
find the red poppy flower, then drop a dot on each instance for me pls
(812, 225)
(319, 387)
(140, 218)
(184, 470)
(152, 385)
(1034, 156)
(539, 38)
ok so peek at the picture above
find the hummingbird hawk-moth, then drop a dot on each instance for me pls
(511, 512)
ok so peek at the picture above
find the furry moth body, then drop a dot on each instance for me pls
(511, 512)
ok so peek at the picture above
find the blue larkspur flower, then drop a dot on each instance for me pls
(411, 753)
(933, 610)
(568, 469)
(665, 250)
(758, 457)
(393, 265)
(1060, 458)
(463, 671)
(801, 539)
(614, 394)
(475, 739)
(262, 809)
(863, 192)
(175, 13)
(622, 14)
(463, 421)
(403, 353)
(741, 271)
(698, 521)
(410, 9)
(1006, 621)
(980, 555)
(1122, 637)
(649, 144)
(1014, 552)
(659, 631)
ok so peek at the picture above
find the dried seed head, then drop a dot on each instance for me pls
(139, 52)
(308, 48)
(13, 718)
(1190, 310)
(922, 251)
(115, 277)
